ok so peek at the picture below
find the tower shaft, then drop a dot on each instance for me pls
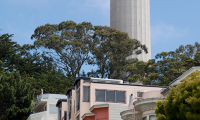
(133, 17)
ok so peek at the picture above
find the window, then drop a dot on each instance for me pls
(70, 94)
(44, 109)
(120, 96)
(152, 117)
(78, 85)
(144, 118)
(139, 94)
(110, 96)
(59, 114)
(100, 95)
(65, 115)
(52, 109)
(78, 100)
(86, 94)
(78, 117)
(69, 109)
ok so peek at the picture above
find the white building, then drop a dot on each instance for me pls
(45, 107)
(133, 17)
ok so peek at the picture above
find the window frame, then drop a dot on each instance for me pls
(96, 95)
(124, 96)
(84, 94)
(77, 100)
(69, 109)
(138, 94)
(115, 96)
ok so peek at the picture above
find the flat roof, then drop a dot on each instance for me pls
(104, 81)
(59, 101)
(69, 89)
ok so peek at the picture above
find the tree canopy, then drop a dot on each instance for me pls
(166, 66)
(110, 48)
(16, 96)
(67, 43)
(183, 102)
(71, 45)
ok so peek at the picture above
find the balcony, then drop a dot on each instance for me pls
(38, 116)
(50, 96)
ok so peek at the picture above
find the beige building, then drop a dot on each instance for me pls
(45, 107)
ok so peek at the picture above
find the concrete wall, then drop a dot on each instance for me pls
(152, 94)
(133, 17)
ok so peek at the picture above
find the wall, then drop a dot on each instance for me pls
(85, 106)
(115, 110)
(101, 113)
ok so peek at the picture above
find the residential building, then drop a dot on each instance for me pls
(144, 108)
(45, 107)
(62, 109)
(102, 99)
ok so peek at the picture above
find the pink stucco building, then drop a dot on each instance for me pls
(101, 99)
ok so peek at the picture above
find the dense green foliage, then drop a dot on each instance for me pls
(67, 43)
(110, 47)
(53, 82)
(183, 102)
(71, 45)
(16, 96)
(166, 67)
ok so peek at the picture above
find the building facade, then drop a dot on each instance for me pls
(133, 17)
(102, 99)
(45, 107)
(144, 108)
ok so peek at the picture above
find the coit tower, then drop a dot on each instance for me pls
(133, 17)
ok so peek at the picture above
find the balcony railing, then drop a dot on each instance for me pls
(39, 116)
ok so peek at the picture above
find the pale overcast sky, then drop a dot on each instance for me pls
(173, 22)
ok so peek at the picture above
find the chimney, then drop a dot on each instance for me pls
(41, 91)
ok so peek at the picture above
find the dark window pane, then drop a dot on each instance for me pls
(65, 115)
(139, 94)
(77, 85)
(120, 96)
(86, 92)
(100, 95)
(110, 96)
(69, 109)
(78, 117)
(77, 100)
(144, 118)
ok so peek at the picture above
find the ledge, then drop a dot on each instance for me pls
(99, 106)
(87, 114)
(146, 104)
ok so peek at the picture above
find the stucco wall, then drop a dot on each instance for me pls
(115, 110)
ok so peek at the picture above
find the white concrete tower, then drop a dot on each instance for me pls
(133, 17)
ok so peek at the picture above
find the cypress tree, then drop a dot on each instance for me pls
(16, 96)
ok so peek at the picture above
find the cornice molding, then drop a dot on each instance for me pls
(99, 106)
(87, 114)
